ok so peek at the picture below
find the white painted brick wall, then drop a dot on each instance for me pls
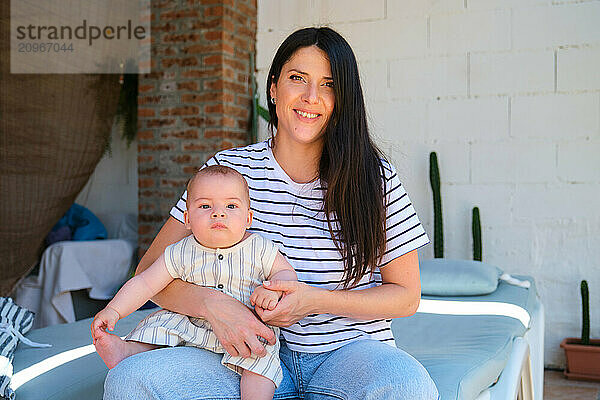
(578, 69)
(470, 31)
(559, 25)
(398, 120)
(555, 116)
(579, 161)
(400, 37)
(429, 77)
(515, 161)
(509, 246)
(556, 201)
(266, 45)
(374, 79)
(352, 10)
(491, 4)
(507, 92)
(468, 119)
(510, 73)
(407, 8)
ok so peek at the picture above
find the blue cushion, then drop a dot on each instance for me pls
(83, 224)
(444, 277)
(80, 378)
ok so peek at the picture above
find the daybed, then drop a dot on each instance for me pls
(480, 347)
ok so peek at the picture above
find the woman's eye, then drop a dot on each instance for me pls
(231, 206)
(329, 84)
(205, 206)
(296, 78)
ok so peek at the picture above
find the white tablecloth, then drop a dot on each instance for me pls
(100, 266)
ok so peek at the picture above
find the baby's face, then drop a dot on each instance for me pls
(218, 211)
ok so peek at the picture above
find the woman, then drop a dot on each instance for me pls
(321, 190)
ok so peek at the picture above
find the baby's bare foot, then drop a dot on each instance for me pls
(112, 349)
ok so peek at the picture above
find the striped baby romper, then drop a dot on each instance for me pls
(236, 271)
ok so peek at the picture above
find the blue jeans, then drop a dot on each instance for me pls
(364, 369)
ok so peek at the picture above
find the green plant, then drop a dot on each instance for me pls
(585, 311)
(476, 228)
(127, 107)
(263, 112)
(438, 232)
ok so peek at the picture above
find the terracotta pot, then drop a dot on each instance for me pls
(583, 362)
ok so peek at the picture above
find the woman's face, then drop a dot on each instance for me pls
(304, 96)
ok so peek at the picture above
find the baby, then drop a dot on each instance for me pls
(219, 254)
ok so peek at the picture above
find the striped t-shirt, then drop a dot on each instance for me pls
(290, 214)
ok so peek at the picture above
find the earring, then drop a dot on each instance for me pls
(273, 100)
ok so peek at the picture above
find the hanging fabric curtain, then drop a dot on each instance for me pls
(53, 132)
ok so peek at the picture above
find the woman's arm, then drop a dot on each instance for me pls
(234, 324)
(398, 296)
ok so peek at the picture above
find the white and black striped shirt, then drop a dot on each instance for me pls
(289, 214)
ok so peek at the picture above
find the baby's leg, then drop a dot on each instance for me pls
(256, 387)
(112, 349)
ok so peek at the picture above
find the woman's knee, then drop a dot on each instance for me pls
(120, 382)
(374, 370)
(167, 373)
(412, 383)
(405, 381)
(130, 379)
(397, 375)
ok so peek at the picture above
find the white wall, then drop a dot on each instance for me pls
(507, 92)
(113, 187)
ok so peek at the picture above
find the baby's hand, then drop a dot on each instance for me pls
(105, 319)
(265, 298)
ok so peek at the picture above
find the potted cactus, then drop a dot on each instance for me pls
(583, 354)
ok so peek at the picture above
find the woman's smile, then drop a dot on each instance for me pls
(308, 116)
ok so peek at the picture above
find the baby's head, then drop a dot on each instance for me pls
(218, 207)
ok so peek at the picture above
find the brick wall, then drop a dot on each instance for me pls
(508, 94)
(195, 102)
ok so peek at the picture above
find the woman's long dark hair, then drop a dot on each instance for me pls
(350, 164)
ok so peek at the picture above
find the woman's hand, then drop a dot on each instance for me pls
(236, 327)
(295, 304)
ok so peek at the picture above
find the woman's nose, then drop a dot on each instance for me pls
(311, 94)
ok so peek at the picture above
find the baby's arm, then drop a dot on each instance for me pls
(281, 271)
(135, 293)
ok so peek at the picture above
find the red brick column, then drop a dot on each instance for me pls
(195, 102)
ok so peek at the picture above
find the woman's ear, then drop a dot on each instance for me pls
(273, 91)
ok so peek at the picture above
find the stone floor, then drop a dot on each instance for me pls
(557, 387)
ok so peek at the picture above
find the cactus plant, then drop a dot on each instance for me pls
(583, 354)
(438, 232)
(585, 312)
(476, 228)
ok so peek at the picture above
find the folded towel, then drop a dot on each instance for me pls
(514, 281)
